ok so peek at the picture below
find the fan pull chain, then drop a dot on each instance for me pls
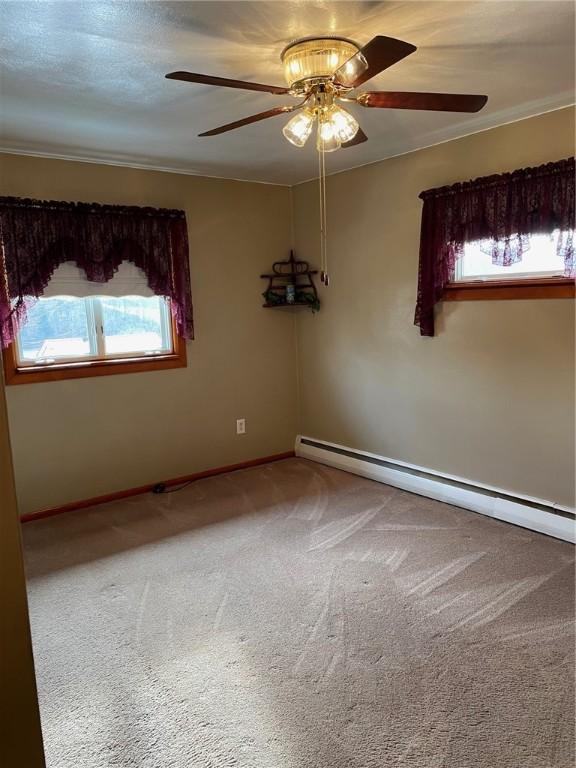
(323, 219)
(320, 208)
(291, 200)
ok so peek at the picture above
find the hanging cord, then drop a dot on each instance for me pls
(323, 219)
(325, 222)
(320, 207)
(292, 233)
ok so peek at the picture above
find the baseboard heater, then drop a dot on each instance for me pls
(535, 514)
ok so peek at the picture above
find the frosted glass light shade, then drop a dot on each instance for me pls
(343, 124)
(352, 69)
(298, 128)
(316, 57)
(327, 139)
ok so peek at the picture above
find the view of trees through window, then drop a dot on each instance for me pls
(69, 327)
(52, 320)
(134, 324)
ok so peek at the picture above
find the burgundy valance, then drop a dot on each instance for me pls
(501, 210)
(37, 236)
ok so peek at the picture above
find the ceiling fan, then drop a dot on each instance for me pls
(321, 72)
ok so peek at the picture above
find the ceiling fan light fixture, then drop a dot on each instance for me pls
(352, 69)
(316, 57)
(327, 139)
(343, 124)
(321, 71)
(298, 128)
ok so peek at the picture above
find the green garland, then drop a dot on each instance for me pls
(276, 299)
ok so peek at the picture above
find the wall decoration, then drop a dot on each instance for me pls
(291, 284)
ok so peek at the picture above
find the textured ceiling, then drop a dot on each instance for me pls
(86, 79)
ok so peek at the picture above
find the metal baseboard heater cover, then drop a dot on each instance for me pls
(535, 514)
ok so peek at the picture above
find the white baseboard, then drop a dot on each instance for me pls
(535, 514)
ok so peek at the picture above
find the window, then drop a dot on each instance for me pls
(69, 329)
(540, 260)
(67, 336)
(539, 274)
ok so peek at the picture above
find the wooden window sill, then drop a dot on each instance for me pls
(527, 288)
(58, 372)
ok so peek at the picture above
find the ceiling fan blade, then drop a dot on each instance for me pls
(376, 56)
(192, 77)
(440, 102)
(360, 138)
(248, 120)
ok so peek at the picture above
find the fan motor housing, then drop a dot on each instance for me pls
(314, 60)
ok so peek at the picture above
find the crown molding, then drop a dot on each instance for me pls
(478, 124)
(114, 162)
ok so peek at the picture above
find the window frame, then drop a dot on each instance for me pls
(15, 373)
(511, 288)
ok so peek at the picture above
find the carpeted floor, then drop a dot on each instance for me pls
(295, 616)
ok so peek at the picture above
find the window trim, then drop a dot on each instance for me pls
(509, 288)
(13, 374)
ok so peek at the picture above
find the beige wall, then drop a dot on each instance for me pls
(85, 437)
(491, 397)
(20, 734)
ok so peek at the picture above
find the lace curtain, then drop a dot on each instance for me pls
(503, 211)
(37, 236)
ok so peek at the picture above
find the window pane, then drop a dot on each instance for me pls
(135, 324)
(540, 259)
(56, 328)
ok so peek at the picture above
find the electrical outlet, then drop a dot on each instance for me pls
(240, 426)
